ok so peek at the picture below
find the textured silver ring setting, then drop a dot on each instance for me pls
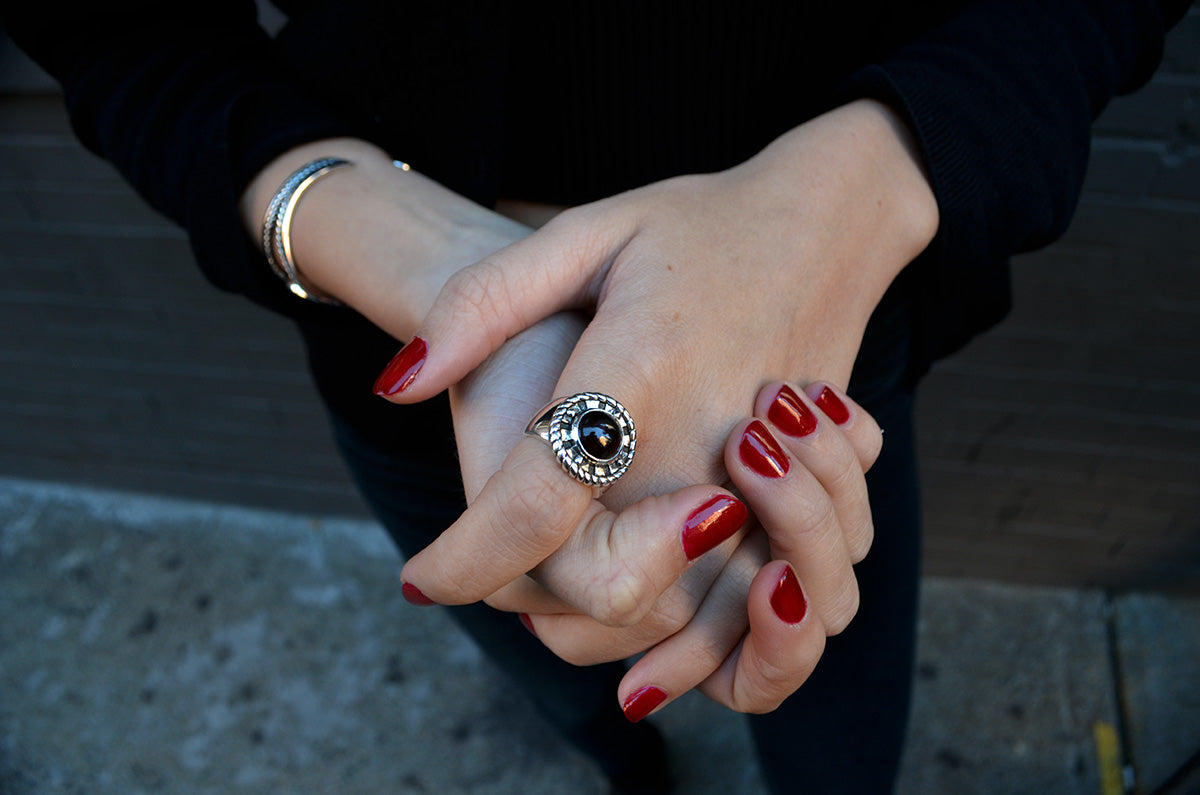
(591, 434)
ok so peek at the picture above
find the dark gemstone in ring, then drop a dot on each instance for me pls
(600, 435)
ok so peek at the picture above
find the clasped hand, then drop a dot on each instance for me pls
(694, 301)
(704, 295)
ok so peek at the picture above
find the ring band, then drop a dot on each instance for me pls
(591, 434)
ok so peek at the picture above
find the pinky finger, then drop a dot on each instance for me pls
(784, 644)
(747, 672)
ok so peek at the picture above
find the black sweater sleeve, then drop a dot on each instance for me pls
(184, 100)
(1002, 97)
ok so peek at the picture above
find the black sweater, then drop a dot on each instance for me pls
(571, 102)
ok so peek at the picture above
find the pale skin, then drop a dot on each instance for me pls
(703, 295)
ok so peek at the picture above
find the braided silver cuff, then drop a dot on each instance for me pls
(277, 226)
(591, 434)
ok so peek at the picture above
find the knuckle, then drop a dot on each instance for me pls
(578, 654)
(675, 608)
(624, 597)
(769, 682)
(814, 514)
(710, 651)
(772, 684)
(846, 475)
(859, 542)
(480, 294)
(534, 513)
(870, 447)
(841, 611)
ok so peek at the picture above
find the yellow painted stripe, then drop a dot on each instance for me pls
(1108, 754)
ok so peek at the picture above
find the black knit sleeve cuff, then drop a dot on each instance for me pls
(256, 127)
(1001, 98)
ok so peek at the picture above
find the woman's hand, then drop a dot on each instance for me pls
(704, 288)
(798, 463)
(380, 239)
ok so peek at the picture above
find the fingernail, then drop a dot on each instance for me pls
(528, 622)
(828, 402)
(761, 452)
(788, 599)
(402, 369)
(712, 523)
(413, 594)
(791, 415)
(642, 702)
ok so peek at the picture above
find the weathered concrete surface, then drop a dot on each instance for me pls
(150, 646)
(1010, 683)
(157, 646)
(1158, 638)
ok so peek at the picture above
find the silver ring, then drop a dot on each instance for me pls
(591, 434)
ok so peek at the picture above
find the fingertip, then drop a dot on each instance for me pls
(643, 701)
(712, 523)
(403, 369)
(791, 414)
(527, 622)
(828, 401)
(759, 451)
(864, 433)
(787, 597)
(413, 595)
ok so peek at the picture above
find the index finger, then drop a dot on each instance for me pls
(524, 512)
(612, 566)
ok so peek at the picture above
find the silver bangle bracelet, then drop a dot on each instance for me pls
(277, 226)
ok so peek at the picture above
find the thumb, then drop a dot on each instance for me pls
(561, 266)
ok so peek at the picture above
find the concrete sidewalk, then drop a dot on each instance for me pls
(155, 645)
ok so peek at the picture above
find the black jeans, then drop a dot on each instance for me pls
(843, 731)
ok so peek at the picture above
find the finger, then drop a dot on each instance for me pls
(857, 424)
(707, 610)
(524, 512)
(612, 566)
(493, 404)
(617, 570)
(523, 595)
(748, 672)
(833, 453)
(558, 267)
(799, 516)
(784, 645)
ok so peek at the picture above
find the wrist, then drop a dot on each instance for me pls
(877, 210)
(378, 238)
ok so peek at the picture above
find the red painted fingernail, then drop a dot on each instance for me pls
(761, 452)
(642, 702)
(528, 622)
(788, 599)
(832, 405)
(402, 369)
(712, 523)
(413, 594)
(791, 415)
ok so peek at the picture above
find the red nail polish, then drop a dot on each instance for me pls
(832, 405)
(413, 594)
(788, 599)
(642, 702)
(712, 523)
(402, 369)
(761, 452)
(528, 622)
(791, 415)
